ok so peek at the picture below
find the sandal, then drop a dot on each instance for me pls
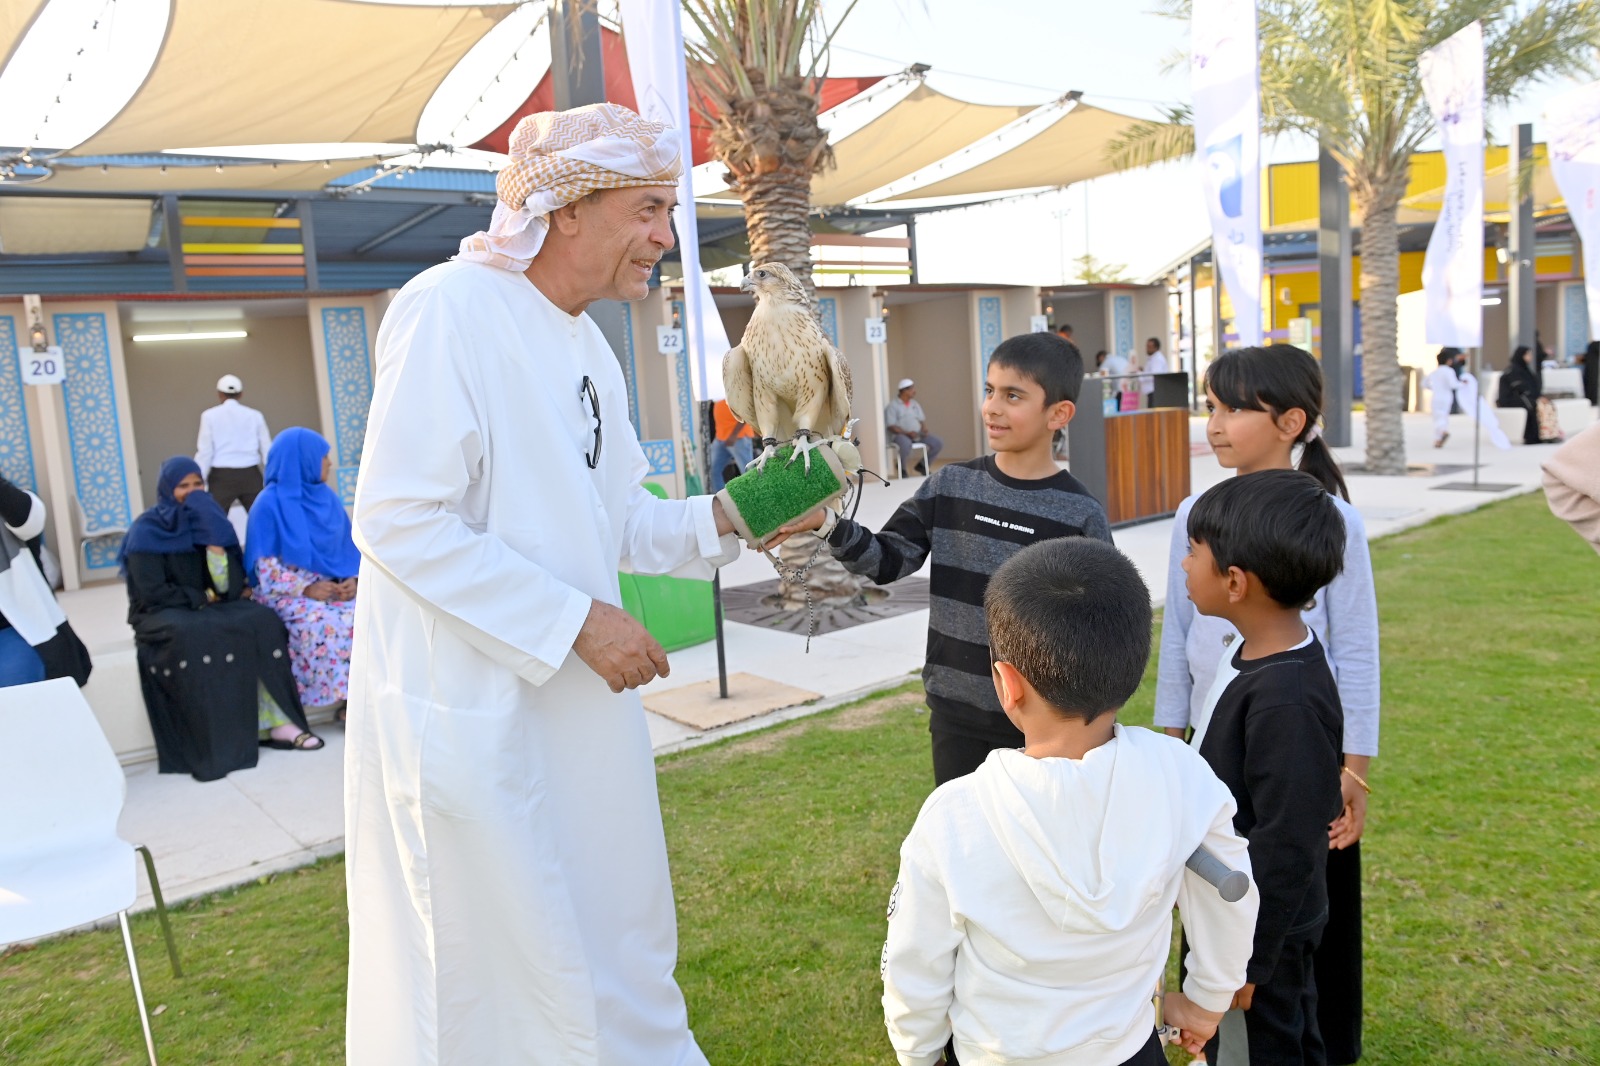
(303, 742)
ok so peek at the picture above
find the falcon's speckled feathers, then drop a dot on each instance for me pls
(785, 378)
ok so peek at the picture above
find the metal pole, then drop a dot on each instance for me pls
(1338, 333)
(1477, 402)
(575, 66)
(1194, 336)
(911, 234)
(1519, 269)
(1217, 339)
(708, 432)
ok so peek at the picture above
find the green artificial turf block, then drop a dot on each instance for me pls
(759, 501)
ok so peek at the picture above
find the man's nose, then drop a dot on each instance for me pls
(663, 235)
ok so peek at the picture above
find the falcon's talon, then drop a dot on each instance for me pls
(760, 461)
(804, 445)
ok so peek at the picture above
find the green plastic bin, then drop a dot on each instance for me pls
(679, 612)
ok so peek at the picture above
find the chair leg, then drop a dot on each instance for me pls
(161, 908)
(138, 991)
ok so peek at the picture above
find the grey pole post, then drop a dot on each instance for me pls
(1519, 267)
(1338, 332)
(1194, 336)
(1477, 400)
(575, 65)
(1217, 343)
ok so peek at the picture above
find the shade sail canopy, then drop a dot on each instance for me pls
(922, 128)
(15, 18)
(40, 226)
(1053, 145)
(262, 177)
(292, 71)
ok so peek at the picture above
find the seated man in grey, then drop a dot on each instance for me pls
(907, 425)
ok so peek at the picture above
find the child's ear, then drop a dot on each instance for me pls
(1238, 585)
(1291, 423)
(1060, 414)
(1008, 685)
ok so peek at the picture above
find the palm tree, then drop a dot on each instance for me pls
(1345, 72)
(754, 73)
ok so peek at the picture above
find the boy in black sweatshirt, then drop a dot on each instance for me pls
(1260, 546)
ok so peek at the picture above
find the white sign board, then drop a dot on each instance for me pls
(1300, 333)
(1039, 323)
(41, 368)
(669, 341)
(877, 331)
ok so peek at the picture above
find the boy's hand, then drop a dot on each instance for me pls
(1243, 998)
(1196, 1025)
(1175, 731)
(806, 523)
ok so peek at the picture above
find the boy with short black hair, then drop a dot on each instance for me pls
(1260, 546)
(972, 517)
(1033, 913)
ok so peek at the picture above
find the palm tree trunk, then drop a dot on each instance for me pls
(776, 209)
(1383, 382)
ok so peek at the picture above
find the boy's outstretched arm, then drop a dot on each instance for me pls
(918, 965)
(896, 552)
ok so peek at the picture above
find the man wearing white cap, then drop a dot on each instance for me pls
(907, 423)
(509, 896)
(233, 446)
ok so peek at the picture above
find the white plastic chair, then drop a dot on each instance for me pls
(916, 446)
(86, 534)
(62, 863)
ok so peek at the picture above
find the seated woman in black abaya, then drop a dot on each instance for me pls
(214, 666)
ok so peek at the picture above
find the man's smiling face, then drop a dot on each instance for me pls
(628, 231)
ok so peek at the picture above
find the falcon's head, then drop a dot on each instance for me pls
(774, 281)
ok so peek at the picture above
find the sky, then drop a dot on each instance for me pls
(1115, 52)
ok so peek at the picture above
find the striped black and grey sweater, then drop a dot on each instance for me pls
(971, 518)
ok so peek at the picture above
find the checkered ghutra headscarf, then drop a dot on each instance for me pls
(559, 157)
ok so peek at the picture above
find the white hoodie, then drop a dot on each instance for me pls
(1033, 914)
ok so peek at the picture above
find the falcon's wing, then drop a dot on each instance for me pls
(739, 386)
(840, 390)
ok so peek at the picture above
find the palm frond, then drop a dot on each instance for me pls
(1145, 143)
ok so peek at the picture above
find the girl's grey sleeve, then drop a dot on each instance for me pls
(1353, 639)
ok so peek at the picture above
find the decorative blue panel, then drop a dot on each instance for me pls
(828, 313)
(1121, 324)
(16, 445)
(685, 388)
(988, 328)
(344, 340)
(1575, 320)
(94, 434)
(663, 456)
(630, 372)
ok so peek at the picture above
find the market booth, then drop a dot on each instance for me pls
(1136, 462)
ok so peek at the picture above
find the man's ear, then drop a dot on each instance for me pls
(1060, 414)
(1238, 585)
(1009, 686)
(565, 219)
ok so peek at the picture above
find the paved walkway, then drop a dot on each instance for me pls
(288, 810)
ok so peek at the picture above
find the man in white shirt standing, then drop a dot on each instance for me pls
(907, 424)
(233, 446)
(1155, 362)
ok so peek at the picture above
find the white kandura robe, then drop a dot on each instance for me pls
(507, 872)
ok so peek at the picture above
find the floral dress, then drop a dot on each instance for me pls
(319, 633)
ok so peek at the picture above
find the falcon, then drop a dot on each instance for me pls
(784, 377)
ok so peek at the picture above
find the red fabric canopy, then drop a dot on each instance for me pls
(619, 90)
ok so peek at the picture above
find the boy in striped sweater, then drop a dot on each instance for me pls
(971, 517)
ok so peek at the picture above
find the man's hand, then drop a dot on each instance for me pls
(618, 648)
(1243, 998)
(1175, 731)
(1196, 1024)
(1352, 821)
(724, 523)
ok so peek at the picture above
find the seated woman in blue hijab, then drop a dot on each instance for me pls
(302, 561)
(214, 667)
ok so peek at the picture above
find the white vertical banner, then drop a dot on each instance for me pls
(1452, 272)
(653, 33)
(1225, 77)
(1572, 132)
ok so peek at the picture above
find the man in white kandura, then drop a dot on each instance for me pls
(507, 873)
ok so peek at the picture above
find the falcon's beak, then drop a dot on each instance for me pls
(748, 284)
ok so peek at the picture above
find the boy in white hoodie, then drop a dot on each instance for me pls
(1033, 914)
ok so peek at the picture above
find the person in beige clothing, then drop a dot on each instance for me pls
(1572, 484)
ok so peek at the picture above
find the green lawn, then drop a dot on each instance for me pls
(1481, 858)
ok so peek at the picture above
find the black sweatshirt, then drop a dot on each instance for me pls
(972, 517)
(1274, 739)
